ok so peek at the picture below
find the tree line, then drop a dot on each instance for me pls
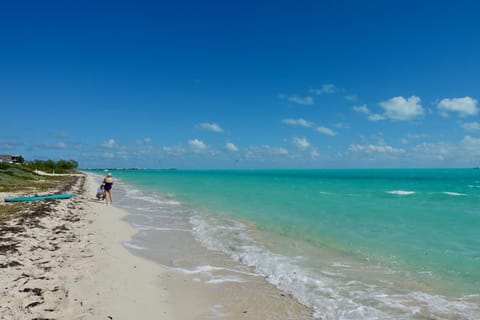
(50, 166)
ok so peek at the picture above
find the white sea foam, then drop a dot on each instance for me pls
(210, 269)
(340, 265)
(150, 198)
(330, 293)
(224, 279)
(158, 200)
(401, 192)
(145, 228)
(455, 193)
(133, 246)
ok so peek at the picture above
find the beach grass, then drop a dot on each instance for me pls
(11, 210)
(16, 178)
(24, 181)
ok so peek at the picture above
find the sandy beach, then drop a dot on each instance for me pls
(66, 260)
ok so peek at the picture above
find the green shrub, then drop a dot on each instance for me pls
(4, 165)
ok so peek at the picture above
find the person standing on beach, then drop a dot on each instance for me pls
(107, 187)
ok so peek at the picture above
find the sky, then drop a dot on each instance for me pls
(241, 84)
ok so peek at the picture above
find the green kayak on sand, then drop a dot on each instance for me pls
(52, 196)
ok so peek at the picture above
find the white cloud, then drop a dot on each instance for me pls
(399, 108)
(433, 151)
(308, 124)
(231, 147)
(60, 134)
(144, 149)
(277, 151)
(370, 148)
(465, 106)
(298, 122)
(326, 131)
(60, 145)
(174, 151)
(362, 109)
(342, 125)
(213, 127)
(142, 142)
(57, 145)
(326, 89)
(298, 100)
(259, 153)
(471, 126)
(466, 152)
(301, 100)
(376, 117)
(10, 144)
(301, 143)
(108, 155)
(197, 146)
(351, 97)
(109, 144)
(471, 144)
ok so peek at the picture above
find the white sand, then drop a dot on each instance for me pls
(116, 283)
(70, 264)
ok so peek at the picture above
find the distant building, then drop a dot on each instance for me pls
(10, 158)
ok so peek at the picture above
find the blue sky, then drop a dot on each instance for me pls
(241, 84)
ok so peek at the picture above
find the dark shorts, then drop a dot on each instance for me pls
(107, 186)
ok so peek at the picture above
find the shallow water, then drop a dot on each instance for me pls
(349, 244)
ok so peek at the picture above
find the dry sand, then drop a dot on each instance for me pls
(65, 260)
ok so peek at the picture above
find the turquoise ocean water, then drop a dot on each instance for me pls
(350, 244)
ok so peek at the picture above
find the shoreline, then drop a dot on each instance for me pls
(68, 260)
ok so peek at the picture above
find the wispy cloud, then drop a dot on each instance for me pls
(466, 151)
(314, 153)
(57, 145)
(301, 143)
(351, 97)
(143, 146)
(471, 126)
(231, 147)
(371, 148)
(399, 108)
(328, 88)
(309, 124)
(264, 151)
(197, 146)
(60, 134)
(472, 146)
(308, 100)
(325, 131)
(109, 144)
(10, 144)
(298, 122)
(213, 127)
(108, 155)
(362, 109)
(174, 151)
(464, 107)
